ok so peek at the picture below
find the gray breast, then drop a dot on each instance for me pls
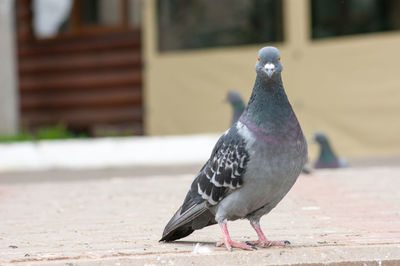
(277, 177)
(271, 172)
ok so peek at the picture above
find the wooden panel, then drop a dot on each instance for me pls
(24, 18)
(44, 65)
(70, 99)
(80, 117)
(86, 81)
(79, 81)
(92, 42)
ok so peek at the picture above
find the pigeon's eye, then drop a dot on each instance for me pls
(258, 59)
(279, 59)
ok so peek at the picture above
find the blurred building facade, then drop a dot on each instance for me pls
(80, 64)
(164, 66)
(340, 68)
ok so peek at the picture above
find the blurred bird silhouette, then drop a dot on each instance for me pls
(237, 103)
(327, 158)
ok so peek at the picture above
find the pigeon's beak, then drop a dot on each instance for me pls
(269, 69)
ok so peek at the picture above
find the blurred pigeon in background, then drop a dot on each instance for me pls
(326, 158)
(252, 166)
(237, 103)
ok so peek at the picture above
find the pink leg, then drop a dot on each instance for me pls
(262, 240)
(228, 241)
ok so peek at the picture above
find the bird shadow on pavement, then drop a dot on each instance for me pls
(193, 243)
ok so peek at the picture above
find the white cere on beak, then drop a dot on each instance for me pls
(269, 66)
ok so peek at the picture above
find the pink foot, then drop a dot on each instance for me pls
(266, 243)
(229, 244)
(262, 240)
(232, 244)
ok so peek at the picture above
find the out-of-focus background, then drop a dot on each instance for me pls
(109, 108)
(133, 67)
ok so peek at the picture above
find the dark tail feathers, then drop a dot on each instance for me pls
(183, 224)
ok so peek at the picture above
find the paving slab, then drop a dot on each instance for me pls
(336, 217)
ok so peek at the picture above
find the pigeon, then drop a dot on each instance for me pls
(236, 101)
(327, 158)
(252, 166)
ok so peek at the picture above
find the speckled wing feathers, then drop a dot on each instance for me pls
(221, 174)
(224, 170)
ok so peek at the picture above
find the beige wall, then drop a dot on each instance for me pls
(348, 87)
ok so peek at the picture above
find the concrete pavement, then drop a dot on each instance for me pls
(341, 217)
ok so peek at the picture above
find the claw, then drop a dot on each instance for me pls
(251, 244)
(266, 243)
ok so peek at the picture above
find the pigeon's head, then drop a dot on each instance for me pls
(320, 138)
(269, 62)
(233, 97)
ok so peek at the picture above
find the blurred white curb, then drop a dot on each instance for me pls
(106, 152)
